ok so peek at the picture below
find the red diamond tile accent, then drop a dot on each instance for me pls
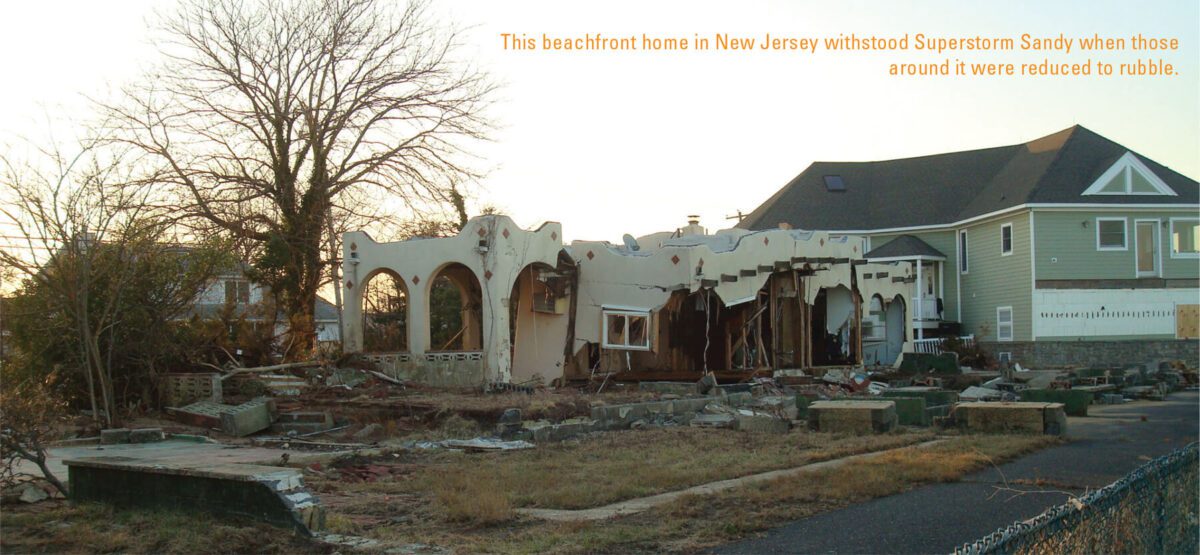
(675, 259)
(766, 241)
(416, 280)
(487, 274)
(822, 242)
(553, 235)
(353, 246)
(701, 264)
(349, 284)
(591, 255)
(505, 233)
(481, 232)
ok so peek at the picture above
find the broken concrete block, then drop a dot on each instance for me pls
(713, 421)
(114, 436)
(306, 422)
(856, 417)
(146, 435)
(31, 493)
(1001, 417)
(246, 418)
(932, 395)
(1075, 401)
(762, 423)
(682, 389)
(182, 389)
(910, 411)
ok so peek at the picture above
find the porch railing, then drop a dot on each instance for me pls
(933, 346)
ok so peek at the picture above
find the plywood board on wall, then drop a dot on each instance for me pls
(1187, 321)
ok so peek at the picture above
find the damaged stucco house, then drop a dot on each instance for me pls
(500, 304)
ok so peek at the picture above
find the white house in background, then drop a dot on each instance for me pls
(234, 288)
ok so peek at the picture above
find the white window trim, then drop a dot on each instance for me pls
(1125, 165)
(1158, 269)
(1011, 323)
(964, 246)
(1012, 239)
(1004, 356)
(1171, 238)
(644, 313)
(1125, 234)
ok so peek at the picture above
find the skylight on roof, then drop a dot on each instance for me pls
(834, 183)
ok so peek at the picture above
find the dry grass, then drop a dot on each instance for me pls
(463, 500)
(695, 523)
(626, 465)
(58, 527)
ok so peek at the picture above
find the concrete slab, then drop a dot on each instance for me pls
(272, 494)
(1028, 417)
(857, 417)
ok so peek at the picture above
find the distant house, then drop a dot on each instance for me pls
(233, 288)
(1066, 249)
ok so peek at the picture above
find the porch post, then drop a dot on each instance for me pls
(920, 289)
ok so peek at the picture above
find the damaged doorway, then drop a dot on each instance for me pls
(834, 327)
(455, 310)
(539, 307)
(385, 313)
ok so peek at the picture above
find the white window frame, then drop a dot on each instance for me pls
(1171, 238)
(964, 245)
(1158, 269)
(1004, 356)
(1000, 323)
(1124, 234)
(1011, 239)
(626, 313)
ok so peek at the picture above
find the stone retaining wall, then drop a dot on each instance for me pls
(1056, 354)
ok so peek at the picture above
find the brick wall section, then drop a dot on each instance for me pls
(1051, 354)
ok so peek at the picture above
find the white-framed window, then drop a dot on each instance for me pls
(1004, 323)
(1111, 234)
(627, 329)
(1004, 356)
(1185, 237)
(1006, 240)
(962, 252)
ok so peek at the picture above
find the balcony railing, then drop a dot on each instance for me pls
(933, 346)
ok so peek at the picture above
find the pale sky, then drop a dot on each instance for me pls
(609, 143)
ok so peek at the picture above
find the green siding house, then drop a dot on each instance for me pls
(1068, 249)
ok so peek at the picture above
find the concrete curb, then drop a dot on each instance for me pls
(634, 506)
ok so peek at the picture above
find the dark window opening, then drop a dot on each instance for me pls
(834, 183)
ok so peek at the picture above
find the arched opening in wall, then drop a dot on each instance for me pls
(896, 330)
(538, 310)
(385, 313)
(455, 310)
(874, 331)
(833, 327)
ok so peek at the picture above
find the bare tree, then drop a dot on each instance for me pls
(63, 206)
(273, 120)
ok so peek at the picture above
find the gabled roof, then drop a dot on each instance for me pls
(905, 246)
(946, 188)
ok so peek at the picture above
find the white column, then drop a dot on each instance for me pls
(920, 289)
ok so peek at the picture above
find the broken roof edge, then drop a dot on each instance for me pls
(474, 223)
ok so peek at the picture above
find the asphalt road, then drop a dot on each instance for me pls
(1106, 445)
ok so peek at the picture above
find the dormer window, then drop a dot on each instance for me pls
(1129, 176)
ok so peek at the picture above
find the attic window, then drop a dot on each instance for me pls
(1129, 176)
(834, 183)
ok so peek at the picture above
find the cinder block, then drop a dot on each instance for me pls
(1075, 401)
(910, 411)
(246, 418)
